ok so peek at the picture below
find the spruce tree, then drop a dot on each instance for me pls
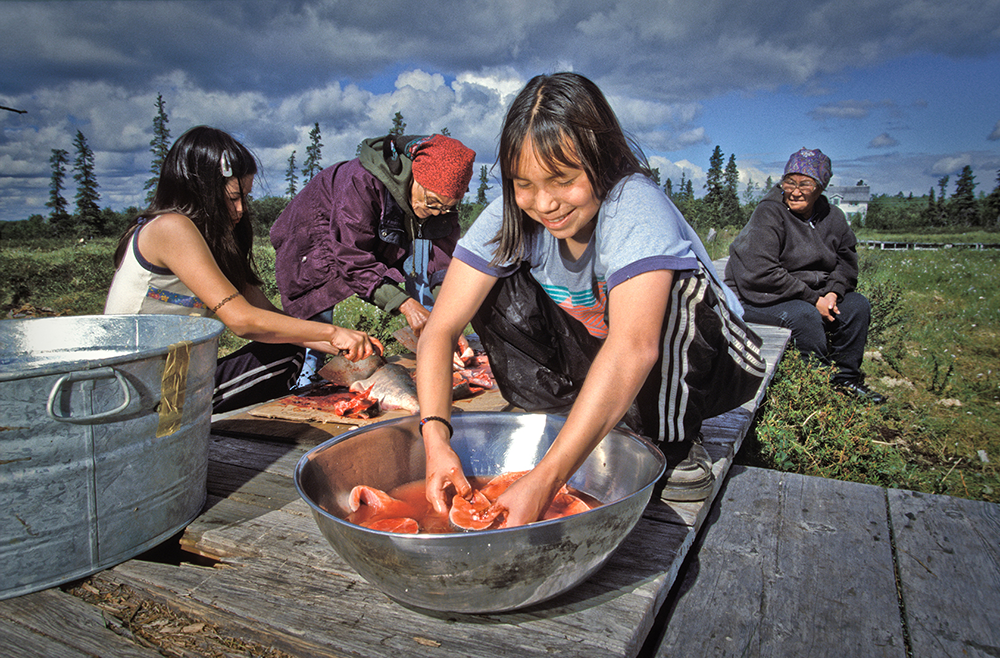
(714, 180)
(60, 209)
(398, 125)
(159, 146)
(962, 207)
(714, 186)
(312, 166)
(87, 211)
(991, 206)
(483, 187)
(729, 206)
(942, 209)
(732, 175)
(290, 176)
(930, 212)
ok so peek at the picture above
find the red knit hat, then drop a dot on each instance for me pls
(443, 165)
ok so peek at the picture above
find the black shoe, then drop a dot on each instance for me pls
(689, 474)
(858, 389)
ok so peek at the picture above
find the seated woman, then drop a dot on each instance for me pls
(592, 297)
(189, 253)
(381, 226)
(795, 265)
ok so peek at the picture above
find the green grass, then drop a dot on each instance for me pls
(960, 236)
(934, 349)
(69, 277)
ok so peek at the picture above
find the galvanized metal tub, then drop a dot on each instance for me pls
(104, 424)
(491, 570)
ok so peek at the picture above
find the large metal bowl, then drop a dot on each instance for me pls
(491, 570)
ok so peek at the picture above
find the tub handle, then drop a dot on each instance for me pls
(83, 376)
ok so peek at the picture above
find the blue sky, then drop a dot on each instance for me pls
(899, 93)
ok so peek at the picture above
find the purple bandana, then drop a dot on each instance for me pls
(812, 163)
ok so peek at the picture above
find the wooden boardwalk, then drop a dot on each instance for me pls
(783, 559)
(790, 565)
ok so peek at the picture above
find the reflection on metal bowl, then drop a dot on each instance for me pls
(491, 570)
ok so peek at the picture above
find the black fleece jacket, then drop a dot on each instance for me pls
(778, 257)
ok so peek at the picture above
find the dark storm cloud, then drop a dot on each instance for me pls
(269, 70)
(668, 50)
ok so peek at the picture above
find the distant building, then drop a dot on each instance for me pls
(852, 199)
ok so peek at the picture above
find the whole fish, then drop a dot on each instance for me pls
(392, 386)
(338, 370)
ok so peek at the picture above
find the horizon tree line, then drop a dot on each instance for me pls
(722, 204)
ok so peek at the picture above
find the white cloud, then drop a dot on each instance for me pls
(951, 164)
(995, 135)
(846, 109)
(675, 170)
(882, 141)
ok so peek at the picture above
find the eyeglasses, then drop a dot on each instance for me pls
(435, 205)
(806, 186)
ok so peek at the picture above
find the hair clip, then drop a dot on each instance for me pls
(227, 170)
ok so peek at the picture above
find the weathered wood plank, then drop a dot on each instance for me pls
(299, 434)
(257, 454)
(788, 565)
(311, 595)
(948, 551)
(239, 483)
(53, 624)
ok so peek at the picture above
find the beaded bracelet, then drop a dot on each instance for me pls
(227, 299)
(424, 421)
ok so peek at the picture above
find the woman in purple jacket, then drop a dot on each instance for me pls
(381, 226)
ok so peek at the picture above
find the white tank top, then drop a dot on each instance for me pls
(141, 287)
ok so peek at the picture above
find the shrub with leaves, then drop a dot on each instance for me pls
(809, 427)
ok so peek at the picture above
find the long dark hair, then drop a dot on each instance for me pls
(193, 183)
(559, 111)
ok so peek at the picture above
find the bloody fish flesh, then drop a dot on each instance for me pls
(476, 514)
(475, 378)
(340, 402)
(375, 509)
(401, 526)
(368, 505)
(359, 405)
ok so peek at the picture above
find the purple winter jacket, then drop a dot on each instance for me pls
(343, 234)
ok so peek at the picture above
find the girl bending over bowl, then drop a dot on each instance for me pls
(593, 297)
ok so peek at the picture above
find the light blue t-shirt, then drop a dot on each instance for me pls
(638, 230)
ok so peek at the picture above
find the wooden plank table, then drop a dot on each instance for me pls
(259, 568)
(790, 565)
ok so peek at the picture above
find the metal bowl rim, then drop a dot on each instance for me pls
(306, 458)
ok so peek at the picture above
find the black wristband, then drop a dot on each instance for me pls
(424, 421)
